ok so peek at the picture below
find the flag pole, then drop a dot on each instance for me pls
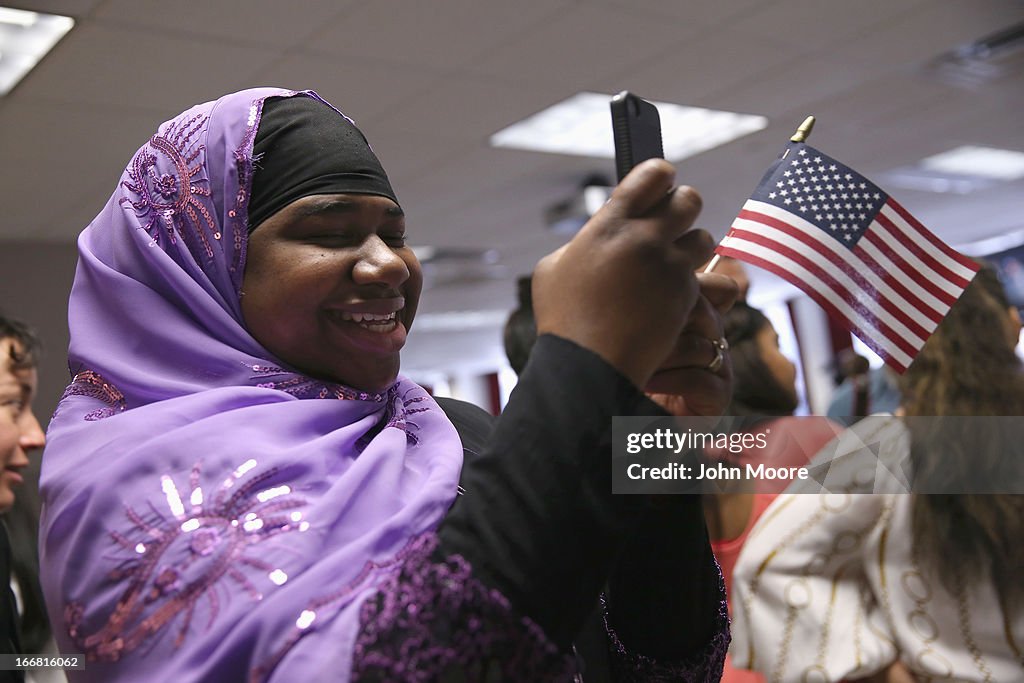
(801, 135)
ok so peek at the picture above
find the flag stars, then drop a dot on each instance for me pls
(771, 195)
(787, 201)
(788, 173)
(802, 152)
(832, 167)
(779, 184)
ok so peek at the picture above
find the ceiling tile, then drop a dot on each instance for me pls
(576, 48)
(133, 69)
(67, 8)
(269, 23)
(53, 194)
(446, 34)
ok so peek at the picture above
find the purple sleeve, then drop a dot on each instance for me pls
(435, 621)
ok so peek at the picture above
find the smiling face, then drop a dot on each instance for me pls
(19, 429)
(331, 288)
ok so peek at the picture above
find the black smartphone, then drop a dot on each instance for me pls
(636, 128)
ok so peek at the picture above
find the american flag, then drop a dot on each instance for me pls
(861, 256)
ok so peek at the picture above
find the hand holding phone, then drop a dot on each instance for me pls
(636, 128)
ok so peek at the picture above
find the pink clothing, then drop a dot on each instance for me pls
(727, 552)
(793, 442)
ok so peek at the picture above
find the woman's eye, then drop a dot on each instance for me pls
(334, 238)
(13, 405)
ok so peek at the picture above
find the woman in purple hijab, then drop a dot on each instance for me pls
(238, 485)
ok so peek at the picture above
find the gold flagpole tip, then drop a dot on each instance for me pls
(804, 130)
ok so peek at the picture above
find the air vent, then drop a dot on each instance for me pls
(993, 58)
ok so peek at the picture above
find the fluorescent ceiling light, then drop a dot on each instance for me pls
(458, 321)
(582, 125)
(980, 162)
(926, 180)
(25, 38)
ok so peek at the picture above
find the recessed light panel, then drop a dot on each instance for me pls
(25, 38)
(980, 162)
(581, 125)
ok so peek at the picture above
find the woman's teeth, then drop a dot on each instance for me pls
(378, 322)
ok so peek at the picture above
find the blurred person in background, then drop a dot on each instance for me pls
(24, 627)
(764, 398)
(862, 391)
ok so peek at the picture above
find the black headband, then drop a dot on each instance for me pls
(304, 147)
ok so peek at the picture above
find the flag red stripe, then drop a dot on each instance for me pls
(817, 297)
(898, 339)
(907, 269)
(951, 253)
(848, 269)
(914, 247)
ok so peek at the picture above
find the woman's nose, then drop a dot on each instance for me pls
(32, 435)
(379, 264)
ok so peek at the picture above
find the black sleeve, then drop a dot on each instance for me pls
(538, 521)
(664, 599)
(538, 536)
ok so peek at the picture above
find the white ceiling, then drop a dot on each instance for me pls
(429, 81)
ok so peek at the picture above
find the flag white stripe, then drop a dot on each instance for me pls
(911, 309)
(821, 289)
(894, 242)
(848, 283)
(933, 251)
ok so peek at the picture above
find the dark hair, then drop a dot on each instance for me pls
(25, 353)
(521, 328)
(968, 367)
(756, 391)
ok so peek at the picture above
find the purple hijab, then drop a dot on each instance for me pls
(208, 513)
